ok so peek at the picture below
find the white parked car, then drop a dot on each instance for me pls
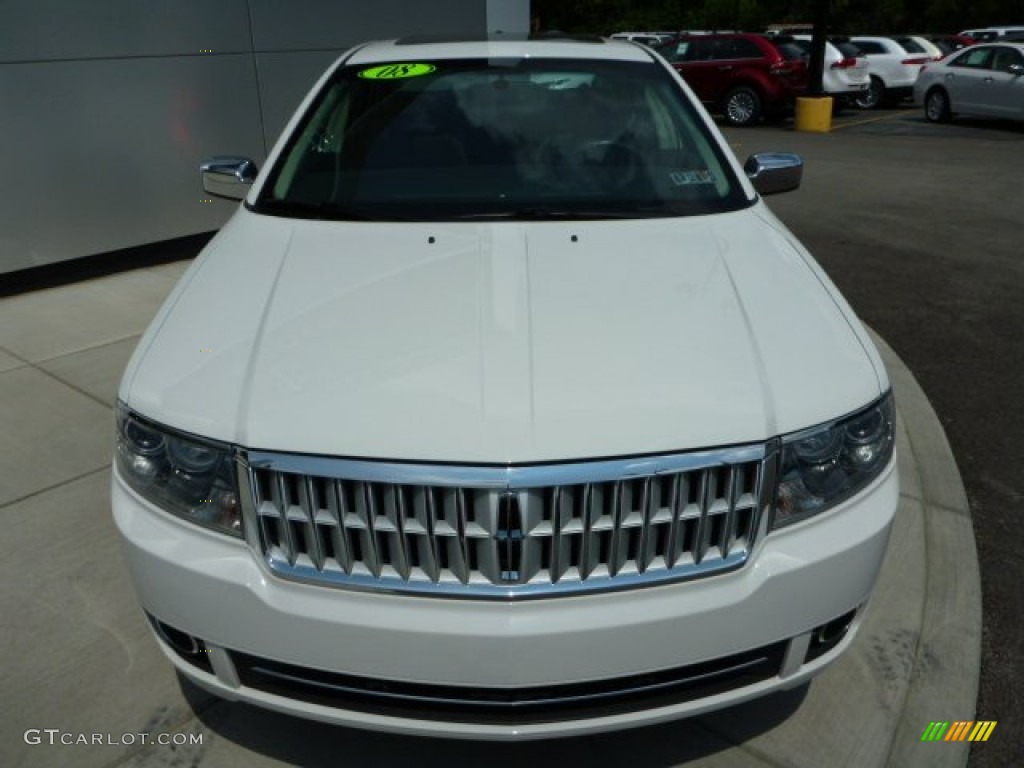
(919, 44)
(893, 69)
(504, 408)
(644, 38)
(845, 75)
(982, 80)
(988, 34)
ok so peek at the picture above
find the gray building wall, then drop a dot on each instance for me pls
(107, 109)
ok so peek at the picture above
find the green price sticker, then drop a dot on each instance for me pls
(397, 71)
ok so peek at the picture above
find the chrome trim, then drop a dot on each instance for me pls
(774, 172)
(483, 703)
(511, 476)
(510, 532)
(228, 176)
(486, 590)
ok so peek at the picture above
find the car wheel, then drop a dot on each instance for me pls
(873, 96)
(742, 106)
(936, 106)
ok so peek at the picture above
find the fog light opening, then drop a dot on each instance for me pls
(834, 631)
(180, 641)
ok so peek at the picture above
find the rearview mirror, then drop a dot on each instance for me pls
(773, 172)
(1016, 69)
(228, 176)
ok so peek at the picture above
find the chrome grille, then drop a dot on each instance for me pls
(505, 532)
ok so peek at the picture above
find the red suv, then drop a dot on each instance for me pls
(743, 76)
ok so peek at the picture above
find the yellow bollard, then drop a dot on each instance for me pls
(814, 114)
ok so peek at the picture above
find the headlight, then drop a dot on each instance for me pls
(191, 478)
(821, 467)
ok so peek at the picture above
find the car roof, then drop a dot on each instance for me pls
(1018, 45)
(988, 44)
(427, 49)
(1013, 27)
(712, 35)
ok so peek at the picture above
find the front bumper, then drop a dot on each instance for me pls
(415, 664)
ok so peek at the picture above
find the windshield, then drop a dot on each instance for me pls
(910, 45)
(523, 138)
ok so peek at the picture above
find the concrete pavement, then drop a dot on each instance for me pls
(78, 656)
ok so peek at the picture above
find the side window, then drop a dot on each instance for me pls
(791, 51)
(869, 48)
(1004, 58)
(702, 50)
(910, 45)
(974, 58)
(743, 49)
(675, 52)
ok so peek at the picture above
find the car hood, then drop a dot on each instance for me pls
(502, 342)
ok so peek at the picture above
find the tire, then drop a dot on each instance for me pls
(742, 106)
(873, 96)
(936, 106)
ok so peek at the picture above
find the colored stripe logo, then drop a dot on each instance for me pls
(959, 730)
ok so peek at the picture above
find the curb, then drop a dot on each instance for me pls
(947, 658)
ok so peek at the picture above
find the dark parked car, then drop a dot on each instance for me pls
(741, 76)
(950, 43)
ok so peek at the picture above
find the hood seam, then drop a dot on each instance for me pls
(245, 401)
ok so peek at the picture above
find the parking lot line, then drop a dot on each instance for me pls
(901, 113)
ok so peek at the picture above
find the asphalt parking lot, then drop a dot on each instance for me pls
(920, 227)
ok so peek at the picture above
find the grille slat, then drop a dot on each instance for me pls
(616, 556)
(574, 528)
(644, 553)
(365, 513)
(591, 544)
(310, 504)
(703, 527)
(459, 546)
(337, 508)
(282, 500)
(730, 513)
(396, 515)
(680, 490)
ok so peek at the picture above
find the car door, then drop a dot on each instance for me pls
(965, 80)
(879, 59)
(1004, 88)
(702, 68)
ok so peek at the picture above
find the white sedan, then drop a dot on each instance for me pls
(503, 407)
(982, 80)
(845, 76)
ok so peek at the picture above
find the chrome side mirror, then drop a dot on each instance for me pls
(773, 172)
(228, 176)
(1016, 69)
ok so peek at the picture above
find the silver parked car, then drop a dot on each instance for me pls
(982, 80)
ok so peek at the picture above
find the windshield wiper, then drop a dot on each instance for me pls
(563, 214)
(323, 211)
